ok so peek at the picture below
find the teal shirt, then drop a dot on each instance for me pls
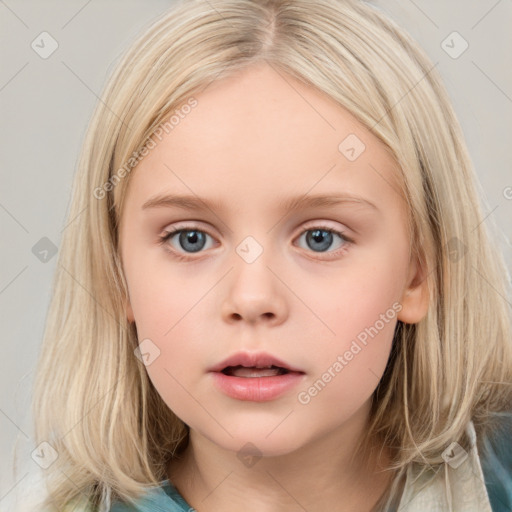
(495, 459)
(161, 499)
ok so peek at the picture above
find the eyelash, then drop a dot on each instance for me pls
(180, 256)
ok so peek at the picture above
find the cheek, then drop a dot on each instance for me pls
(171, 320)
(361, 296)
(360, 308)
(349, 366)
(161, 296)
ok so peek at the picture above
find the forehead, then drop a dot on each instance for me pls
(261, 135)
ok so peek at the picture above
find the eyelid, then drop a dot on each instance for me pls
(186, 224)
(197, 225)
(322, 224)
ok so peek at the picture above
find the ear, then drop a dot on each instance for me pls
(415, 298)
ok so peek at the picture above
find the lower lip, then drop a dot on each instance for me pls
(256, 389)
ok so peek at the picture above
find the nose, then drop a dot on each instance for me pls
(254, 293)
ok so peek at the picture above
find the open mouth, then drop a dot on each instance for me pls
(254, 371)
(255, 377)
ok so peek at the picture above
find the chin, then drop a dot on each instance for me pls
(256, 438)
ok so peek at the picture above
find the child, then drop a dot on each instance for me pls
(267, 369)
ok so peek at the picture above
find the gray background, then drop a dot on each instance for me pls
(46, 103)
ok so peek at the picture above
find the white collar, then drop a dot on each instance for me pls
(458, 485)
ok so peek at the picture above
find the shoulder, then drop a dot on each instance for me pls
(29, 492)
(460, 483)
(496, 461)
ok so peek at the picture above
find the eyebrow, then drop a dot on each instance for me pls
(191, 202)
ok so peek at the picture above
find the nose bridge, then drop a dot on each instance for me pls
(253, 240)
(252, 259)
(250, 249)
(254, 290)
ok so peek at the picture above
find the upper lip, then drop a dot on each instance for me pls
(253, 360)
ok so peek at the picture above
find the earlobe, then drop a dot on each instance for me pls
(415, 299)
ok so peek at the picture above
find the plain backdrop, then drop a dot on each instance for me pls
(46, 103)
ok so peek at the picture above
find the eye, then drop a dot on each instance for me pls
(189, 240)
(320, 239)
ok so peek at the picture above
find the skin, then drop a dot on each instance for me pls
(253, 140)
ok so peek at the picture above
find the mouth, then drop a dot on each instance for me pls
(252, 372)
(255, 377)
(253, 364)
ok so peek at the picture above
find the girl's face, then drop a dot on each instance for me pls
(251, 281)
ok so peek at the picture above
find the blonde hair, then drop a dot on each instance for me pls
(93, 400)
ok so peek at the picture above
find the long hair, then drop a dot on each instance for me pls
(93, 401)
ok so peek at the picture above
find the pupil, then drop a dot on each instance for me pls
(319, 235)
(188, 239)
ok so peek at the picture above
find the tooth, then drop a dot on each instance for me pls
(255, 372)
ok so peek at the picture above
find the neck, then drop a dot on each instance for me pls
(327, 473)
